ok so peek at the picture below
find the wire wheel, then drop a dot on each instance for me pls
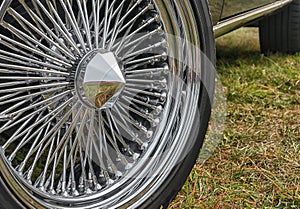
(95, 101)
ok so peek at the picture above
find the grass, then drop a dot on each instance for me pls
(257, 164)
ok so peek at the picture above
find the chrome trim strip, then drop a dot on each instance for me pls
(233, 23)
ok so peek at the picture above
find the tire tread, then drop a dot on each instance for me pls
(280, 32)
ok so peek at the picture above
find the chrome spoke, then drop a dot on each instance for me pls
(132, 21)
(43, 120)
(31, 42)
(143, 61)
(54, 131)
(47, 164)
(147, 49)
(83, 87)
(33, 87)
(71, 18)
(53, 99)
(96, 14)
(52, 176)
(126, 127)
(84, 16)
(105, 25)
(138, 40)
(147, 72)
(31, 78)
(23, 140)
(15, 121)
(59, 44)
(64, 31)
(64, 62)
(41, 33)
(31, 69)
(45, 130)
(115, 31)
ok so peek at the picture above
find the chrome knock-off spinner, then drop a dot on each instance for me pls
(99, 79)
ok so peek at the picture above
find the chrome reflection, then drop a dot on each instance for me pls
(233, 7)
(60, 148)
(99, 79)
(235, 22)
(83, 88)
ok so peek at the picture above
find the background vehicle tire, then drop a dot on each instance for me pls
(280, 32)
(59, 149)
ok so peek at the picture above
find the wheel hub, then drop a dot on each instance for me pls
(99, 80)
(79, 137)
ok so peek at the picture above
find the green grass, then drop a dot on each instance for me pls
(257, 164)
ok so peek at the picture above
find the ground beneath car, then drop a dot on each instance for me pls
(257, 164)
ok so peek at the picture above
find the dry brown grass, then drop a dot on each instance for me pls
(257, 164)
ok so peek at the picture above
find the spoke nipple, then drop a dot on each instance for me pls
(164, 56)
(128, 166)
(159, 30)
(110, 181)
(164, 43)
(119, 174)
(81, 188)
(11, 157)
(98, 187)
(58, 189)
(65, 194)
(166, 69)
(149, 134)
(158, 19)
(75, 193)
(135, 156)
(20, 168)
(42, 188)
(163, 82)
(52, 191)
(155, 122)
(150, 6)
(144, 146)
(152, 61)
(163, 96)
(158, 110)
(4, 118)
(125, 149)
(88, 191)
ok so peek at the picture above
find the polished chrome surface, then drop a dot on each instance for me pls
(216, 8)
(99, 79)
(234, 7)
(235, 22)
(95, 100)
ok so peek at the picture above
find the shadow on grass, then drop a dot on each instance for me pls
(257, 162)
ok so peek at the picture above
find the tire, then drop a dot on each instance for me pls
(123, 135)
(280, 32)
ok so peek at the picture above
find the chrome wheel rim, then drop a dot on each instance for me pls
(71, 137)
